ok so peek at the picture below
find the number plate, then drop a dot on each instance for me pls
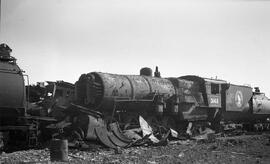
(214, 101)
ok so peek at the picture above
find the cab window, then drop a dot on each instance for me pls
(214, 88)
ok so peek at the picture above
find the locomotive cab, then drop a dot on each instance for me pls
(210, 89)
(214, 91)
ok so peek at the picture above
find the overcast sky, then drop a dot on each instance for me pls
(61, 39)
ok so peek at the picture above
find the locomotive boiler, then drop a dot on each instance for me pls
(16, 128)
(170, 102)
(102, 90)
(12, 95)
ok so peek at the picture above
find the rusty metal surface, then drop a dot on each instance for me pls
(202, 90)
(59, 150)
(261, 104)
(103, 88)
(112, 138)
(114, 127)
(92, 124)
(116, 141)
(109, 138)
(101, 134)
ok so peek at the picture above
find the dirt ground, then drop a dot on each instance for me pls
(237, 149)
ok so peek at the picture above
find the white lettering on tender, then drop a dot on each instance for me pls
(214, 100)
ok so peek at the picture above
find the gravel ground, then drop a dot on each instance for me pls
(237, 149)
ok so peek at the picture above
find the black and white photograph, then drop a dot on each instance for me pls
(135, 81)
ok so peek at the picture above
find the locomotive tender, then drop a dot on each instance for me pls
(170, 102)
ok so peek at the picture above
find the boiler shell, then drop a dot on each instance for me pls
(127, 87)
(12, 88)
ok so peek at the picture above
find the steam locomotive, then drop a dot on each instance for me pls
(13, 123)
(170, 102)
(17, 128)
(164, 102)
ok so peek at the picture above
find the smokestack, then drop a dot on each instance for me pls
(157, 73)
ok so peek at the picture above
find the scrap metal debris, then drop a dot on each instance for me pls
(147, 130)
(207, 135)
(79, 124)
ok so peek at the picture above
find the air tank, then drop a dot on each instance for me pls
(102, 90)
